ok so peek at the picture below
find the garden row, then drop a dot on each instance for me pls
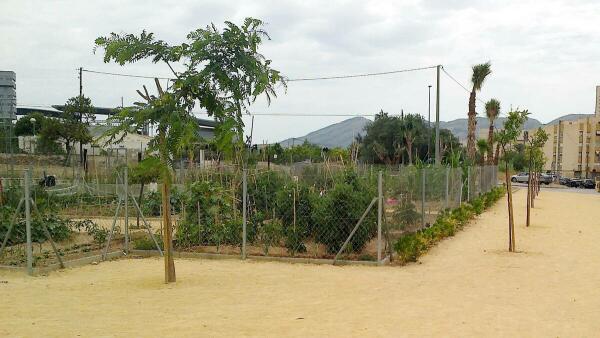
(411, 246)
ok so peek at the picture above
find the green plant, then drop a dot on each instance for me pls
(339, 211)
(269, 233)
(410, 246)
(146, 242)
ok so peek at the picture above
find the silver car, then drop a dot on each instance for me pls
(524, 178)
(520, 178)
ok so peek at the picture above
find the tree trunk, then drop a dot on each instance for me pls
(140, 203)
(472, 124)
(167, 233)
(497, 155)
(511, 232)
(529, 194)
(490, 154)
(409, 149)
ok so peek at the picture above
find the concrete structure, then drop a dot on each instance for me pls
(573, 147)
(8, 95)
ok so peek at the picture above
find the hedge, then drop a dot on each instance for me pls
(410, 246)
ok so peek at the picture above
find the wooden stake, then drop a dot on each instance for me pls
(167, 235)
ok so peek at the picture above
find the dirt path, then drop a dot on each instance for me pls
(467, 286)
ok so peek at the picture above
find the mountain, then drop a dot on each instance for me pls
(569, 117)
(458, 127)
(336, 135)
(343, 133)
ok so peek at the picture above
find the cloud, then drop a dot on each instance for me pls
(544, 57)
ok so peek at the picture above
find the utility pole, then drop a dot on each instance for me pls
(429, 122)
(438, 159)
(80, 110)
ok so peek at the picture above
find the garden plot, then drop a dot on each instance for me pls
(467, 286)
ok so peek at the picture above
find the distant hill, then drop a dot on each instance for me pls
(343, 133)
(458, 127)
(336, 135)
(569, 117)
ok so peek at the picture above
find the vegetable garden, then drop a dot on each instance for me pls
(312, 212)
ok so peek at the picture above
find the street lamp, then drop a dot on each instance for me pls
(32, 120)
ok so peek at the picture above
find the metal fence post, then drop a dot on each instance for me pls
(423, 197)
(468, 183)
(244, 213)
(447, 185)
(28, 221)
(126, 190)
(379, 213)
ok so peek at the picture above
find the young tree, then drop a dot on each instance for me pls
(480, 73)
(492, 110)
(65, 130)
(506, 138)
(220, 72)
(536, 160)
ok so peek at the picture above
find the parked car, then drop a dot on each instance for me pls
(520, 177)
(546, 179)
(588, 184)
(524, 178)
(564, 181)
(575, 183)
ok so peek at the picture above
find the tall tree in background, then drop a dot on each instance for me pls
(480, 72)
(506, 139)
(492, 110)
(220, 72)
(412, 127)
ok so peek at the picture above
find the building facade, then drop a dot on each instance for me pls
(573, 147)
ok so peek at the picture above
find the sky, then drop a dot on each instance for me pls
(544, 55)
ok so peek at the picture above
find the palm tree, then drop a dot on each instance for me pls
(482, 148)
(492, 110)
(411, 128)
(480, 72)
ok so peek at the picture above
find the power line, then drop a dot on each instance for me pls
(360, 75)
(288, 80)
(127, 75)
(460, 84)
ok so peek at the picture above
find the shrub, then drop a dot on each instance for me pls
(339, 211)
(410, 246)
(146, 242)
(269, 233)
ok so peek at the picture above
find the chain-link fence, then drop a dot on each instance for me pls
(304, 212)
(47, 227)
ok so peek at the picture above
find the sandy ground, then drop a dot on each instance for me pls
(466, 286)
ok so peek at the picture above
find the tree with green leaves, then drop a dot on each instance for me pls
(506, 139)
(66, 130)
(220, 72)
(536, 159)
(480, 73)
(26, 126)
(492, 111)
(483, 148)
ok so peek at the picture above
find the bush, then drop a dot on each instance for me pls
(298, 225)
(146, 242)
(339, 211)
(269, 233)
(409, 247)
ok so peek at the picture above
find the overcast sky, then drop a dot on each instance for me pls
(545, 55)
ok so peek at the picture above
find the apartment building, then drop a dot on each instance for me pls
(573, 147)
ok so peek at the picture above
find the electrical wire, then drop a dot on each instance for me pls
(351, 76)
(360, 75)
